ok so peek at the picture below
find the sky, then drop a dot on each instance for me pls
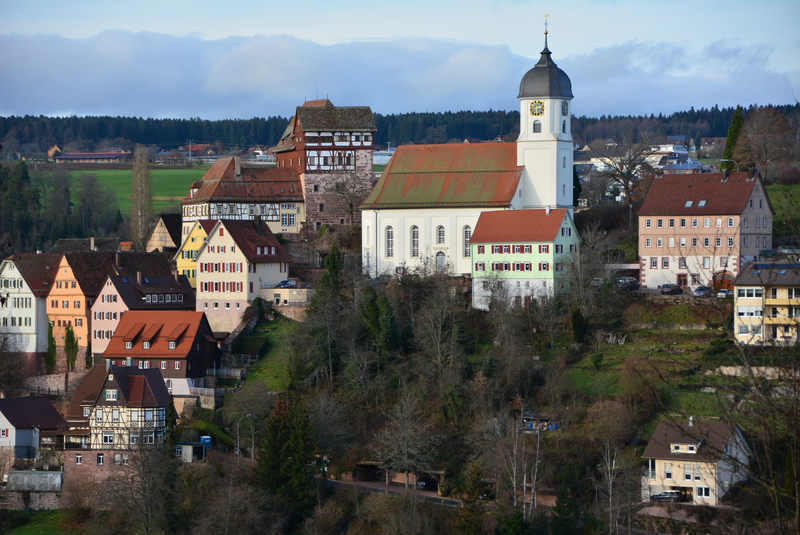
(244, 59)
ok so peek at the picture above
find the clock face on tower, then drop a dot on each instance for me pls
(537, 108)
(565, 108)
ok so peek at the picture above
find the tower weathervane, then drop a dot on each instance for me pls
(545, 23)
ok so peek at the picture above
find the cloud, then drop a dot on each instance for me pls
(158, 75)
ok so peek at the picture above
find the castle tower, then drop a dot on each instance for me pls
(544, 146)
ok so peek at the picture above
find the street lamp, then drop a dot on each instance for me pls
(734, 161)
(238, 445)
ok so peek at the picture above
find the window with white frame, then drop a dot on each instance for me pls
(659, 222)
(78, 459)
(659, 242)
(694, 222)
(718, 242)
(682, 263)
(108, 437)
(683, 222)
(704, 492)
(654, 263)
(115, 415)
(671, 222)
(440, 235)
(100, 459)
(683, 242)
(111, 394)
(647, 242)
(415, 242)
(389, 242)
(667, 470)
(467, 236)
(706, 262)
(647, 223)
(665, 263)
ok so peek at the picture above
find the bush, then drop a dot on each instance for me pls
(790, 177)
(597, 360)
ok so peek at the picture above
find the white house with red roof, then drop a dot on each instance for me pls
(422, 212)
(520, 255)
(236, 264)
(25, 282)
(700, 229)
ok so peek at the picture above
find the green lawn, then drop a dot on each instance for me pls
(169, 185)
(273, 367)
(58, 522)
(785, 201)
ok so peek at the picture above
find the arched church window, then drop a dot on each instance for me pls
(537, 127)
(389, 242)
(564, 190)
(440, 234)
(415, 241)
(368, 241)
(564, 127)
(564, 163)
(467, 236)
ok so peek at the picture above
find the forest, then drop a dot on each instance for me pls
(31, 135)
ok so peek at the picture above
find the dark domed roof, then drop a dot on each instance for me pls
(545, 79)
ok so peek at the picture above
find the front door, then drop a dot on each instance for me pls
(441, 262)
(682, 280)
(723, 281)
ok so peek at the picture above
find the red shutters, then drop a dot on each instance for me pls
(221, 231)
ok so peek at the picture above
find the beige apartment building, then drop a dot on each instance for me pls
(767, 303)
(701, 229)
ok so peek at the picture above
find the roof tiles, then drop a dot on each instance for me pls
(669, 194)
(512, 226)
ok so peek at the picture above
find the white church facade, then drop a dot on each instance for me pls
(423, 210)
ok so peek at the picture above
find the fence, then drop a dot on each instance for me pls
(225, 372)
(210, 391)
(45, 391)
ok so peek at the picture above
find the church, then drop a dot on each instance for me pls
(422, 212)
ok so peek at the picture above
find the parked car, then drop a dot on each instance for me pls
(667, 496)
(668, 289)
(725, 294)
(626, 283)
(702, 291)
(287, 284)
(598, 281)
(427, 483)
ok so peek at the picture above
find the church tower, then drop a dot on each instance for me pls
(544, 146)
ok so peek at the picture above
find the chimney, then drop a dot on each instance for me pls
(691, 421)
(116, 257)
(176, 276)
(547, 210)
(751, 173)
(108, 364)
(724, 175)
(257, 224)
(237, 166)
(91, 243)
(129, 361)
(139, 278)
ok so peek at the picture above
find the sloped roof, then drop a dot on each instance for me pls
(248, 240)
(512, 226)
(141, 387)
(91, 268)
(668, 195)
(29, 412)
(330, 118)
(457, 175)
(173, 224)
(777, 273)
(86, 392)
(711, 437)
(159, 327)
(38, 270)
(254, 185)
(75, 245)
(132, 293)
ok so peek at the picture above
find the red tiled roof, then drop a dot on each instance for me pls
(86, 392)
(158, 327)
(248, 240)
(38, 270)
(255, 185)
(669, 194)
(457, 175)
(512, 226)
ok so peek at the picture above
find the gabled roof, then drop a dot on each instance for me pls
(512, 226)
(248, 241)
(133, 294)
(91, 268)
(709, 437)
(86, 392)
(322, 116)
(456, 175)
(669, 194)
(254, 185)
(30, 412)
(38, 270)
(776, 273)
(75, 245)
(141, 387)
(173, 224)
(159, 328)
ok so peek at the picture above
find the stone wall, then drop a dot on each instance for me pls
(38, 501)
(297, 313)
(319, 190)
(65, 382)
(61, 359)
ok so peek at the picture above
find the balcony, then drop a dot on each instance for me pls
(781, 319)
(772, 301)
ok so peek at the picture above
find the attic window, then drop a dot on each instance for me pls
(701, 204)
(172, 345)
(688, 204)
(128, 345)
(145, 345)
(691, 449)
(676, 447)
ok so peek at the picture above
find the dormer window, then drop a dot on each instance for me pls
(145, 345)
(111, 394)
(692, 449)
(128, 345)
(86, 411)
(172, 345)
(676, 447)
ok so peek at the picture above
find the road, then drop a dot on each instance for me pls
(377, 488)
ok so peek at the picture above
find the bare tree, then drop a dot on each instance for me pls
(407, 442)
(141, 198)
(586, 267)
(595, 188)
(623, 159)
(348, 191)
(765, 140)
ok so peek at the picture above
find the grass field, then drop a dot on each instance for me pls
(273, 366)
(786, 202)
(169, 185)
(59, 522)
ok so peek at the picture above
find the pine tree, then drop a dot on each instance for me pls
(471, 516)
(577, 188)
(70, 347)
(141, 199)
(50, 357)
(733, 137)
(88, 357)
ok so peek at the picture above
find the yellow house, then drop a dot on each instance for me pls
(699, 460)
(187, 252)
(767, 303)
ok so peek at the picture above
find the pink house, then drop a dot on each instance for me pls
(146, 292)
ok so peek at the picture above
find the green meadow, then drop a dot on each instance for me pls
(169, 185)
